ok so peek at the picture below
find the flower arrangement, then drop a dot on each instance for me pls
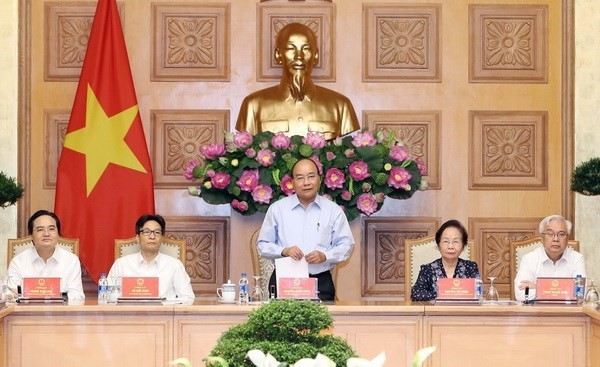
(358, 172)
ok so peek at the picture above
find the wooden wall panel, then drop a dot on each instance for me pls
(401, 43)
(383, 253)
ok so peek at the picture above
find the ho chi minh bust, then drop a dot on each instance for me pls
(297, 106)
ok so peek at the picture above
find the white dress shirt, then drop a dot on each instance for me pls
(62, 264)
(537, 264)
(173, 282)
(321, 226)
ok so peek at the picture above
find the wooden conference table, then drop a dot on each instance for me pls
(152, 335)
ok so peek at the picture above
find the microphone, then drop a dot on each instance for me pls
(526, 301)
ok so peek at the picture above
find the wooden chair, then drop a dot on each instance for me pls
(264, 267)
(422, 251)
(518, 249)
(18, 245)
(169, 246)
(261, 265)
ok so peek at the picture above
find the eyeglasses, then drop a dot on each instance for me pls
(147, 232)
(550, 235)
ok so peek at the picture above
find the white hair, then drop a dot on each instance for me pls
(546, 221)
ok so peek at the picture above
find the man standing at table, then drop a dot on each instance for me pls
(306, 225)
(173, 281)
(553, 259)
(45, 259)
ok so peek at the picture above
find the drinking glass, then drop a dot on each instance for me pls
(115, 290)
(257, 295)
(591, 297)
(7, 294)
(492, 293)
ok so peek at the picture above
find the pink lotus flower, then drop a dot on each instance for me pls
(220, 180)
(346, 195)
(330, 156)
(263, 144)
(315, 158)
(366, 187)
(359, 170)
(230, 146)
(210, 173)
(380, 197)
(242, 139)
(398, 153)
(328, 197)
(399, 178)
(349, 153)
(265, 157)
(314, 140)
(280, 141)
(334, 178)
(211, 151)
(287, 186)
(363, 139)
(366, 203)
(250, 153)
(188, 172)
(248, 180)
(422, 166)
(242, 206)
(262, 194)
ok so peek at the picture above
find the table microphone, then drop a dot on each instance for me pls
(526, 301)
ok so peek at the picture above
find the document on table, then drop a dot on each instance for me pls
(289, 268)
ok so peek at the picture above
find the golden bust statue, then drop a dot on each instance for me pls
(297, 106)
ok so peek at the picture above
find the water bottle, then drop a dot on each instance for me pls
(102, 290)
(243, 290)
(478, 287)
(579, 289)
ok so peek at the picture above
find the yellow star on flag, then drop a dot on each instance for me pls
(102, 140)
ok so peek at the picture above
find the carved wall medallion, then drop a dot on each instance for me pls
(382, 252)
(508, 43)
(68, 27)
(176, 139)
(508, 150)
(401, 43)
(419, 131)
(320, 18)
(191, 42)
(494, 236)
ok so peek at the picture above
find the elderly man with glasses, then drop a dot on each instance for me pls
(173, 282)
(554, 259)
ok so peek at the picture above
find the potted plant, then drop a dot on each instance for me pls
(10, 190)
(289, 330)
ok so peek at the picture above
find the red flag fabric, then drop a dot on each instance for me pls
(104, 178)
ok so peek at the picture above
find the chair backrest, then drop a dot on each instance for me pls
(518, 249)
(261, 265)
(169, 246)
(18, 245)
(422, 251)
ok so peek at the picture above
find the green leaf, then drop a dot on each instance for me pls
(422, 355)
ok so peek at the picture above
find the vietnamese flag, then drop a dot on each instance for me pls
(104, 179)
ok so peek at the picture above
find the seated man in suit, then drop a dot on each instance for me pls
(173, 283)
(553, 259)
(306, 225)
(46, 259)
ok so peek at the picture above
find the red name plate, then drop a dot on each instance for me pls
(139, 287)
(456, 288)
(41, 287)
(554, 288)
(299, 288)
